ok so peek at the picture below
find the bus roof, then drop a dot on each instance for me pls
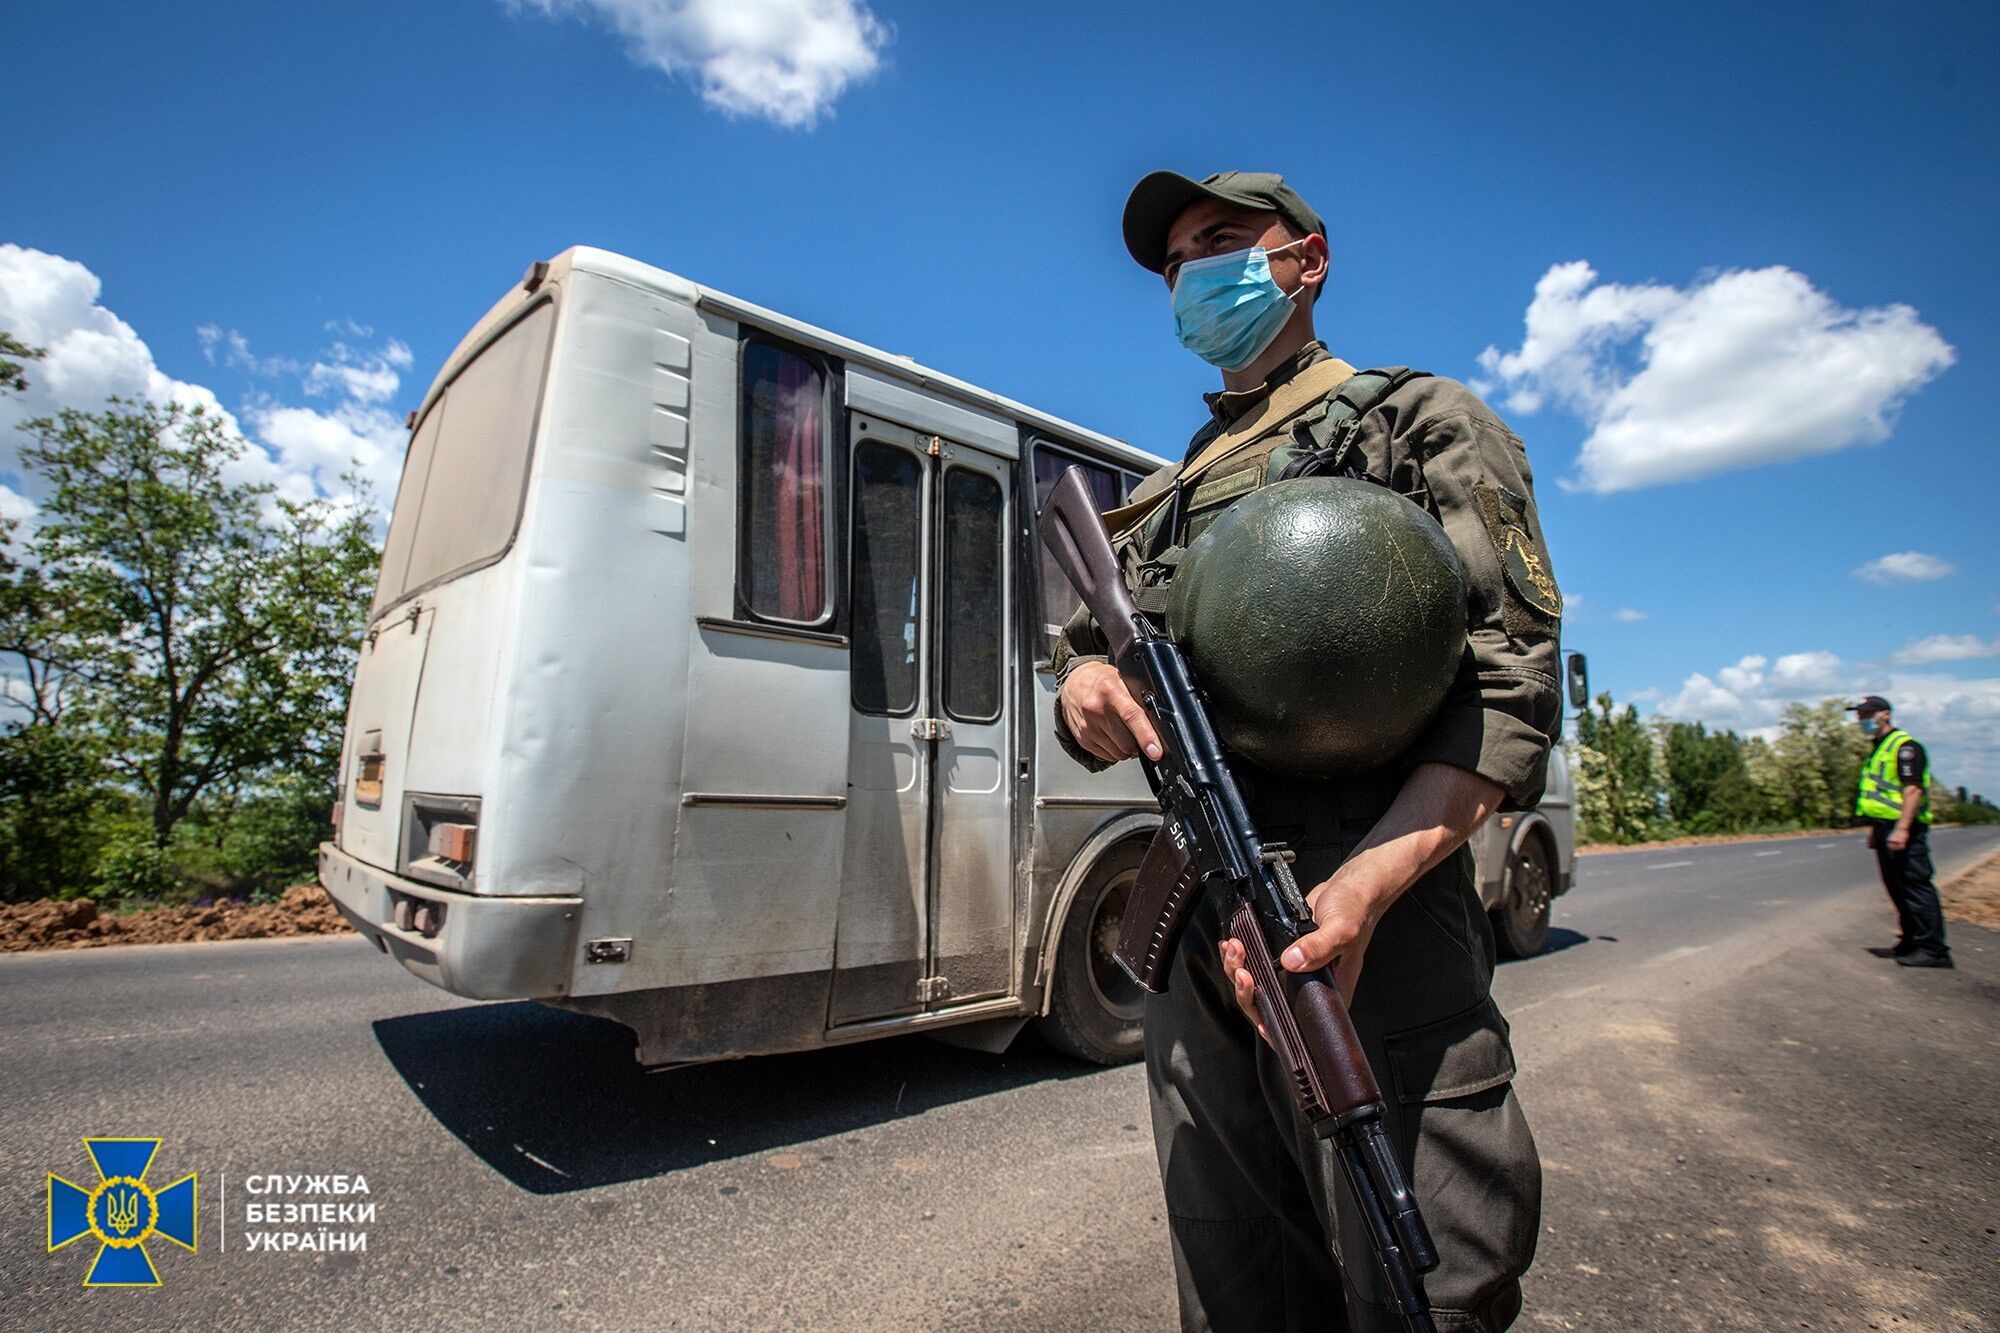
(645, 276)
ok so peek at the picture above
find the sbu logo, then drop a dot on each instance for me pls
(122, 1213)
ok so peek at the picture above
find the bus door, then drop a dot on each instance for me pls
(926, 917)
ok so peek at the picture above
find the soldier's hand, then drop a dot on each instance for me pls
(1240, 982)
(1346, 922)
(1103, 716)
(1345, 909)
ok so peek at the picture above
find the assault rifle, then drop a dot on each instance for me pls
(1210, 845)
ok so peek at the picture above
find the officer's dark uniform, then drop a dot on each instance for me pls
(1264, 1234)
(1898, 762)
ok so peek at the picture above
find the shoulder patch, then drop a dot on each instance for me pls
(1527, 570)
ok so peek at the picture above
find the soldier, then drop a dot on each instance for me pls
(1894, 798)
(1264, 1235)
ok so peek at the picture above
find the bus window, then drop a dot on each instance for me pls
(782, 536)
(1108, 487)
(468, 464)
(390, 582)
(888, 550)
(973, 602)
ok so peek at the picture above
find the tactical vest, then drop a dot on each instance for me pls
(1316, 439)
(1881, 794)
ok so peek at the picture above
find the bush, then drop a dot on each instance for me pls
(53, 807)
(134, 868)
(273, 840)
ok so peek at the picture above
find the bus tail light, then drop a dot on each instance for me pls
(454, 842)
(440, 839)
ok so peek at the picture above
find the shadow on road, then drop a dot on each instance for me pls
(1559, 939)
(554, 1102)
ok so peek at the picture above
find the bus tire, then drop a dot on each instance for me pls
(1095, 1009)
(1521, 922)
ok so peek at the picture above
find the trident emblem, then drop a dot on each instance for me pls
(122, 1213)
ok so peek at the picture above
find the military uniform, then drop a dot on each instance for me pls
(1264, 1234)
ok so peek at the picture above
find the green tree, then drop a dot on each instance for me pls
(1707, 778)
(12, 352)
(1617, 798)
(27, 622)
(198, 629)
(53, 811)
(1818, 754)
(1949, 806)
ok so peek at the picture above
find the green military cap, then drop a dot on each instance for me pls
(1164, 195)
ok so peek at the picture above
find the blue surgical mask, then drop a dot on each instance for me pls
(1870, 726)
(1227, 309)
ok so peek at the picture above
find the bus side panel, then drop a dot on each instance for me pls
(756, 888)
(717, 888)
(1071, 803)
(582, 798)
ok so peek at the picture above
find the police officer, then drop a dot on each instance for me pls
(1264, 1234)
(1894, 798)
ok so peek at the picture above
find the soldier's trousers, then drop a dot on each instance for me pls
(1265, 1236)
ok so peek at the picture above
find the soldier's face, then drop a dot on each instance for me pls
(1211, 227)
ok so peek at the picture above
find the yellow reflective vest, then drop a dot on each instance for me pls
(1881, 794)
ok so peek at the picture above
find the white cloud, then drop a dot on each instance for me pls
(1958, 719)
(15, 506)
(1742, 367)
(1627, 615)
(52, 302)
(1906, 567)
(1945, 648)
(786, 61)
(1818, 670)
(1745, 676)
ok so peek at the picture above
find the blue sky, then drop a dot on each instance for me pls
(1786, 214)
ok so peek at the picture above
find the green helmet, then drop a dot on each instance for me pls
(1324, 617)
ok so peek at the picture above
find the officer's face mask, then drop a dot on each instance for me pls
(1227, 308)
(1870, 726)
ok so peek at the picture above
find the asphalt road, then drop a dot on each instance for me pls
(1747, 1122)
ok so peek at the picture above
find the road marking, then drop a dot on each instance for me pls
(1771, 853)
(1824, 845)
(1675, 955)
(127, 1036)
(1669, 865)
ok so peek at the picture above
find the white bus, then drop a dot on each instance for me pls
(706, 688)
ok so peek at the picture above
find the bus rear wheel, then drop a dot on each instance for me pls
(1521, 923)
(1095, 1010)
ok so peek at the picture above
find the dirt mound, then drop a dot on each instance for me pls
(1973, 894)
(79, 924)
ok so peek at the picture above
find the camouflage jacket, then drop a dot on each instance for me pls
(1433, 440)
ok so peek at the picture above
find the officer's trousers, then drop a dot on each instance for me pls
(1265, 1236)
(1906, 875)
